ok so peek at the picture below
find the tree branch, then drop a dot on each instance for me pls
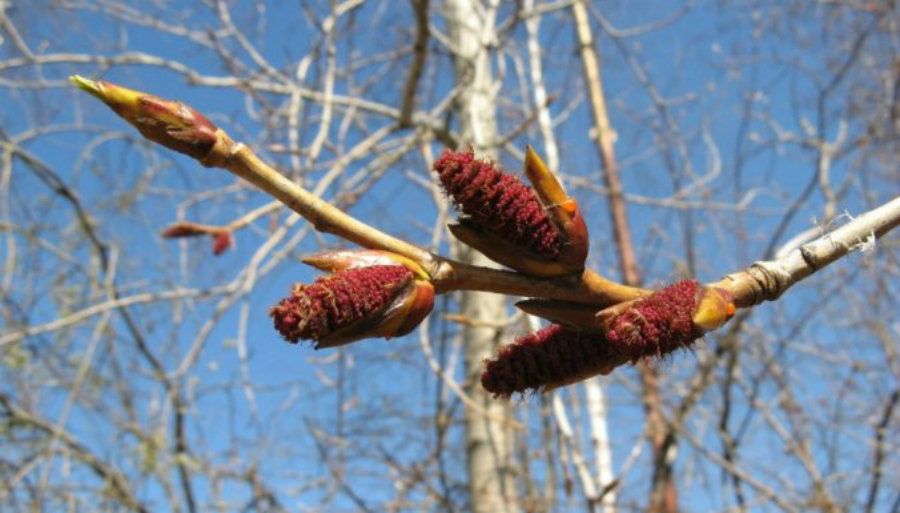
(768, 280)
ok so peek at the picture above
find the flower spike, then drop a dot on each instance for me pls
(550, 358)
(667, 320)
(539, 233)
(579, 347)
(370, 294)
(172, 124)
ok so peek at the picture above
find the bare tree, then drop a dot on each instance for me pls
(141, 372)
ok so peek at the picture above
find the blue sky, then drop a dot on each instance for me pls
(706, 64)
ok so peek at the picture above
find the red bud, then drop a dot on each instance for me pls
(172, 124)
(353, 304)
(221, 242)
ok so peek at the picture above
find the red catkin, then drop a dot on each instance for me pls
(337, 301)
(658, 324)
(498, 202)
(651, 328)
(553, 355)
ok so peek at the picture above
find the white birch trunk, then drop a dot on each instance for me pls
(596, 405)
(488, 442)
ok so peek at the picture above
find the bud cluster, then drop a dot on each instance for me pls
(537, 230)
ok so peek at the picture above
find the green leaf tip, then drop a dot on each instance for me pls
(87, 85)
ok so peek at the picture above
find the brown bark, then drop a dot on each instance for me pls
(663, 497)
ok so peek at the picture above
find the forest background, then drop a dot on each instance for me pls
(143, 374)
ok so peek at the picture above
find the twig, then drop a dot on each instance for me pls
(878, 459)
(447, 274)
(457, 390)
(768, 280)
(420, 52)
(762, 281)
(112, 304)
(117, 483)
(568, 438)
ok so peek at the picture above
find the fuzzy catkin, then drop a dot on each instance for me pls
(333, 302)
(650, 328)
(498, 203)
(658, 324)
(550, 356)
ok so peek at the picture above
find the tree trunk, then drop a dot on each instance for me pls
(488, 439)
(663, 493)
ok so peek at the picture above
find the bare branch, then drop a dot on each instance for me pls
(768, 280)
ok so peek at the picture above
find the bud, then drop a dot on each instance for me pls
(383, 300)
(714, 308)
(541, 234)
(172, 124)
(669, 319)
(223, 239)
(552, 357)
(563, 210)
